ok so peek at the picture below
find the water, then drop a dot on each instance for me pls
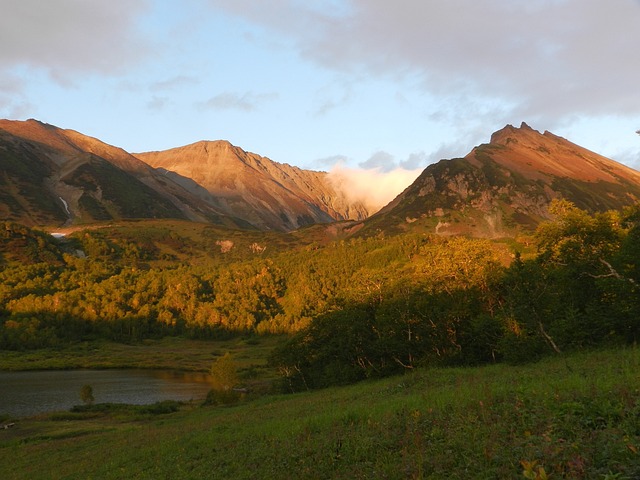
(29, 393)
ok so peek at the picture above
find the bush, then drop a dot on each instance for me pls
(161, 408)
(86, 394)
(222, 397)
(224, 373)
(520, 349)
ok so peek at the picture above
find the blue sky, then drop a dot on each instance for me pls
(365, 83)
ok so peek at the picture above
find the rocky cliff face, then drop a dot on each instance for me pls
(267, 194)
(507, 185)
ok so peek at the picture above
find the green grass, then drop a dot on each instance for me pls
(194, 243)
(174, 353)
(576, 417)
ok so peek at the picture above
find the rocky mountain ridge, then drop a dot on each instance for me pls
(52, 176)
(507, 185)
(267, 194)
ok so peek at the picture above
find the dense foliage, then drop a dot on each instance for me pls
(453, 303)
(356, 308)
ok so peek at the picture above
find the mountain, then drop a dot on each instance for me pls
(52, 176)
(506, 186)
(267, 194)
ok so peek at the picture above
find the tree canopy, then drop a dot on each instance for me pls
(353, 308)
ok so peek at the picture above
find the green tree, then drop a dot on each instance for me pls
(224, 373)
(86, 395)
(579, 290)
(224, 376)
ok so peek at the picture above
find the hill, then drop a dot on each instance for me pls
(507, 185)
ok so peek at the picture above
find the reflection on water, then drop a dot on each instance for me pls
(29, 393)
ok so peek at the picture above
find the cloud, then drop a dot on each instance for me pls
(385, 162)
(64, 37)
(416, 160)
(332, 161)
(246, 102)
(65, 40)
(173, 83)
(15, 108)
(339, 93)
(548, 60)
(628, 157)
(157, 103)
(380, 160)
(373, 187)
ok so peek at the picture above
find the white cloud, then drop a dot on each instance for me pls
(247, 102)
(70, 36)
(549, 60)
(373, 187)
(379, 160)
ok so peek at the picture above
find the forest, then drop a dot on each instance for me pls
(351, 309)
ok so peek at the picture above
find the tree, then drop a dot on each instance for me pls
(576, 239)
(86, 394)
(224, 376)
(224, 373)
(579, 290)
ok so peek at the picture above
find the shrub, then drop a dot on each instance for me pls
(160, 408)
(86, 395)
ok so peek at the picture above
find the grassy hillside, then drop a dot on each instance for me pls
(572, 417)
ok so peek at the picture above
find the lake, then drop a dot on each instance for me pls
(29, 393)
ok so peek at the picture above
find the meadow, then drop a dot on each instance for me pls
(574, 416)
(169, 353)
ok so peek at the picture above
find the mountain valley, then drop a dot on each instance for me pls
(266, 277)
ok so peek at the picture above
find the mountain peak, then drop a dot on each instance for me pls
(537, 155)
(510, 132)
(508, 184)
(268, 194)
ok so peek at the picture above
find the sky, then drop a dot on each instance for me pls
(383, 86)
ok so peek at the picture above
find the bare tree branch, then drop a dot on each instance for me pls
(399, 362)
(612, 273)
(548, 338)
